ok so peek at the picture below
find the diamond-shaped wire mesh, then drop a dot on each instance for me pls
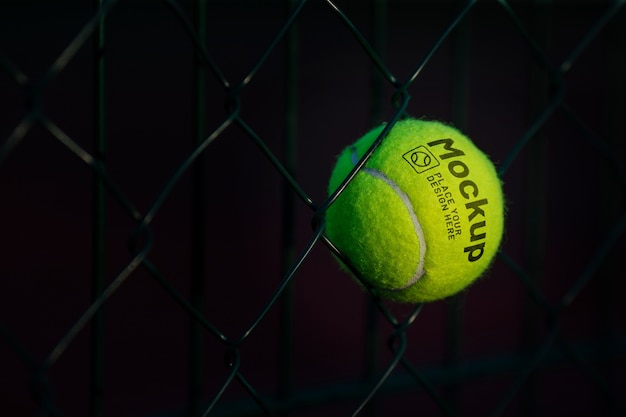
(163, 169)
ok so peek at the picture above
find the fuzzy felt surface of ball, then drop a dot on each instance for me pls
(423, 218)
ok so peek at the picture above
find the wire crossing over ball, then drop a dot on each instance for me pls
(423, 218)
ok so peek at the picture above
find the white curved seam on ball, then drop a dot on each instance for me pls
(407, 202)
(354, 158)
(416, 224)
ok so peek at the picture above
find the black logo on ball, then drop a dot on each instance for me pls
(421, 159)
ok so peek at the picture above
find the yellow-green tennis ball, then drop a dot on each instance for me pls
(423, 218)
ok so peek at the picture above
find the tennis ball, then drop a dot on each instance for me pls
(423, 218)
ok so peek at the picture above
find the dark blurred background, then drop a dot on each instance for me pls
(503, 75)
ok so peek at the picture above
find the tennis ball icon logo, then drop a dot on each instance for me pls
(421, 159)
(423, 218)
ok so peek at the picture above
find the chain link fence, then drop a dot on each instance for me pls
(163, 169)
